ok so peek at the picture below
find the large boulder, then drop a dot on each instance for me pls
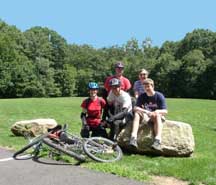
(177, 139)
(33, 127)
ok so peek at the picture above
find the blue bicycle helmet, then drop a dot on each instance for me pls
(93, 85)
(115, 82)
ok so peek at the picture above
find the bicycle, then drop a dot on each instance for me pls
(97, 148)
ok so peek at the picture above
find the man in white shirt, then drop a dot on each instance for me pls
(122, 104)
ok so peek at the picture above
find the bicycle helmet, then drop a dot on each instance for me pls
(115, 82)
(93, 85)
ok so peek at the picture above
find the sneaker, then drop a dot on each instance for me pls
(133, 142)
(156, 145)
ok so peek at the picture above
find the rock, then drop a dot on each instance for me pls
(33, 127)
(177, 139)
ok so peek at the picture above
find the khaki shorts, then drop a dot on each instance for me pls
(145, 119)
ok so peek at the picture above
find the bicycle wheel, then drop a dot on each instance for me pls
(67, 149)
(31, 150)
(102, 150)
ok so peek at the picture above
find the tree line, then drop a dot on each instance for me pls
(40, 63)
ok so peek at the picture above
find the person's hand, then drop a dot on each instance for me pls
(110, 120)
(152, 114)
(86, 127)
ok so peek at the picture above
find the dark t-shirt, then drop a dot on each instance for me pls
(151, 103)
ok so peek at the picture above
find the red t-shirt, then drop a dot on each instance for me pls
(94, 110)
(125, 83)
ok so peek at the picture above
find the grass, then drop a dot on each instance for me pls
(200, 168)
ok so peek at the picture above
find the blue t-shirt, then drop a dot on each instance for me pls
(138, 86)
(151, 103)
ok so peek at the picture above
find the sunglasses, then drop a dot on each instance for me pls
(115, 86)
(142, 74)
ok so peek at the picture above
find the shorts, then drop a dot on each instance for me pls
(145, 119)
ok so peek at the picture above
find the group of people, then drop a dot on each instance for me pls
(115, 109)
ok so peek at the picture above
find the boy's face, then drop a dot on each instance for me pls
(148, 87)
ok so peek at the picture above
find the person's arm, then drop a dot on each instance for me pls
(118, 116)
(137, 108)
(83, 117)
(104, 107)
(135, 90)
(161, 111)
(136, 94)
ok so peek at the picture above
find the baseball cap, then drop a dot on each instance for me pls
(114, 82)
(119, 65)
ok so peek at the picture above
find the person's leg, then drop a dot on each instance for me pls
(117, 124)
(99, 131)
(157, 128)
(85, 132)
(112, 131)
(135, 126)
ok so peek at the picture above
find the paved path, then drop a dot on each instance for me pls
(48, 172)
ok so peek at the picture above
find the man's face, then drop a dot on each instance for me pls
(116, 90)
(119, 70)
(143, 76)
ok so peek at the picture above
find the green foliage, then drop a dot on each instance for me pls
(55, 68)
(66, 80)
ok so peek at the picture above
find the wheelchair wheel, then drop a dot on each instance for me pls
(102, 150)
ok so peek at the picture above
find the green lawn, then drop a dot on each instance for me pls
(201, 167)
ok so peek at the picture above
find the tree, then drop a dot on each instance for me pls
(193, 64)
(83, 78)
(200, 39)
(45, 74)
(66, 80)
(163, 73)
(207, 82)
(38, 44)
(132, 47)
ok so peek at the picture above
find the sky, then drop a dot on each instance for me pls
(104, 23)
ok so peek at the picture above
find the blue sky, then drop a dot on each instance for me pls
(103, 23)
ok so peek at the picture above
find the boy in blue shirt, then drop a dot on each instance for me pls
(150, 107)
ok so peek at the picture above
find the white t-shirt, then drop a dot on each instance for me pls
(121, 101)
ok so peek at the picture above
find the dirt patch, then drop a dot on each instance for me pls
(162, 180)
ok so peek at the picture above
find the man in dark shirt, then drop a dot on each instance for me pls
(150, 107)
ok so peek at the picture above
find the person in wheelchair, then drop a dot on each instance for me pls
(92, 109)
(122, 108)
